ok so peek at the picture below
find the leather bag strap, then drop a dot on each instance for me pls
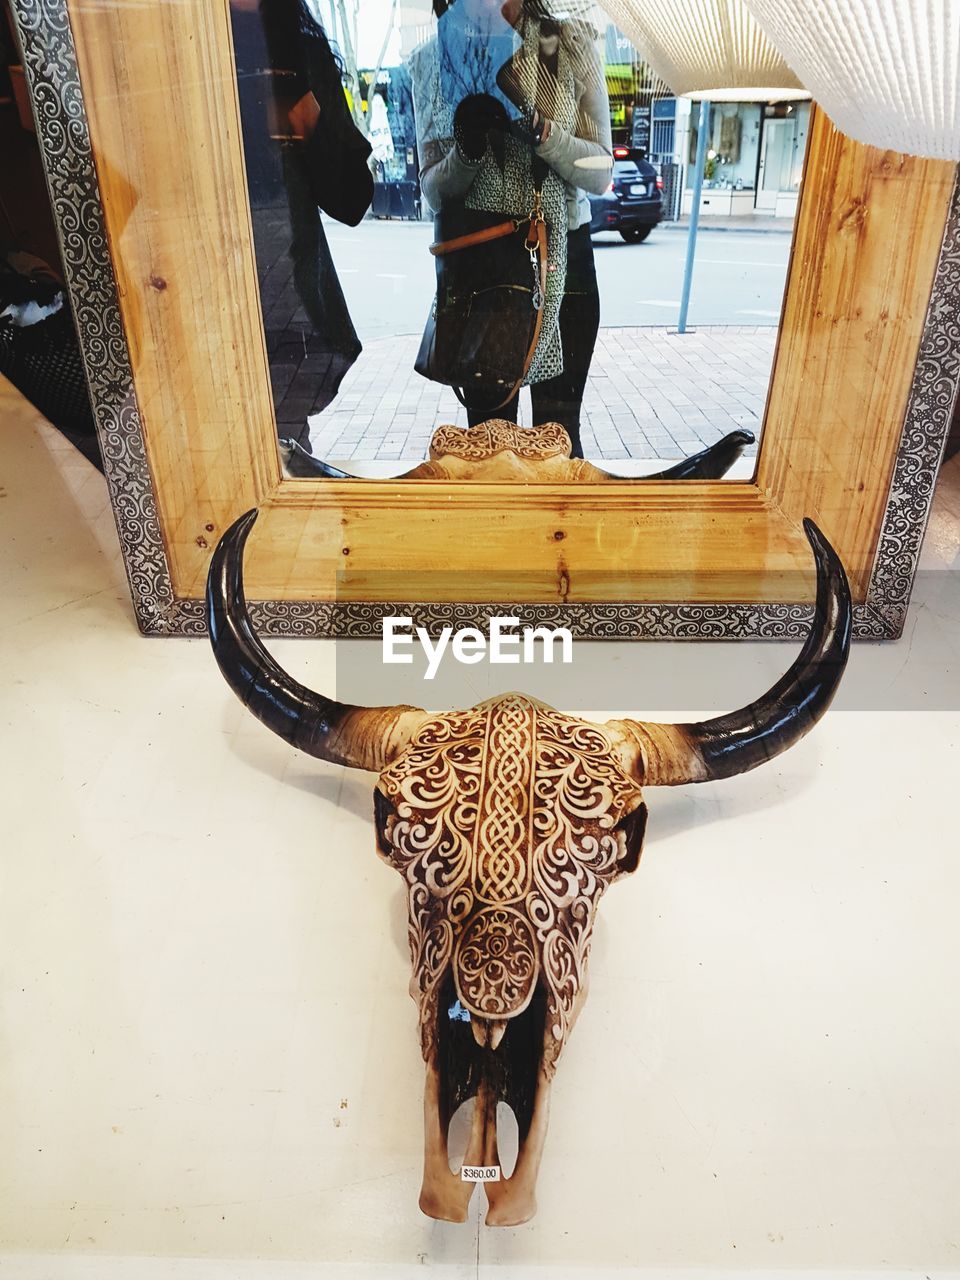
(475, 237)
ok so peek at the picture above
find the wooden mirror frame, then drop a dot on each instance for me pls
(154, 223)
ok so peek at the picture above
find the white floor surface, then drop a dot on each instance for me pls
(208, 1058)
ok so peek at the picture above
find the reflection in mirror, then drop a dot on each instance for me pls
(497, 451)
(305, 158)
(478, 210)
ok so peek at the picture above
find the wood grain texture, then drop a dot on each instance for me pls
(575, 548)
(160, 92)
(864, 257)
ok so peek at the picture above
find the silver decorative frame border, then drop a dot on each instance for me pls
(51, 70)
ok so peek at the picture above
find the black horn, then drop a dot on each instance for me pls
(303, 465)
(734, 743)
(709, 464)
(361, 737)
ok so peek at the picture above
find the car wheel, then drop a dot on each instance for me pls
(636, 235)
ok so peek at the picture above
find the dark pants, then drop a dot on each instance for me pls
(559, 399)
(310, 346)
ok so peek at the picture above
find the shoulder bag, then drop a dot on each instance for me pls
(483, 330)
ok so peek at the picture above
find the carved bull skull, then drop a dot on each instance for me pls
(500, 451)
(507, 823)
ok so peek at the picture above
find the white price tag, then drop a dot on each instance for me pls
(480, 1173)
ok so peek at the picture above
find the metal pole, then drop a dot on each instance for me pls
(694, 213)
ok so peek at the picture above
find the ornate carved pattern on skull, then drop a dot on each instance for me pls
(496, 963)
(501, 870)
(504, 826)
(549, 440)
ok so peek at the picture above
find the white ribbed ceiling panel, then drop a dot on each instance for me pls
(887, 72)
(706, 48)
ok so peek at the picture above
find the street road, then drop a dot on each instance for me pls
(388, 276)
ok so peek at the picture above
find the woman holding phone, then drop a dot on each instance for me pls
(511, 102)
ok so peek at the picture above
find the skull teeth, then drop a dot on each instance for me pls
(487, 1033)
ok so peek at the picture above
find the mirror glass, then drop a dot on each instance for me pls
(476, 211)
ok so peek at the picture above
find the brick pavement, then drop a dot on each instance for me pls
(652, 394)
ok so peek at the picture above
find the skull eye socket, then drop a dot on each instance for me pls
(383, 811)
(631, 829)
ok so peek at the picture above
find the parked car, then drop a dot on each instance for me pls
(633, 202)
